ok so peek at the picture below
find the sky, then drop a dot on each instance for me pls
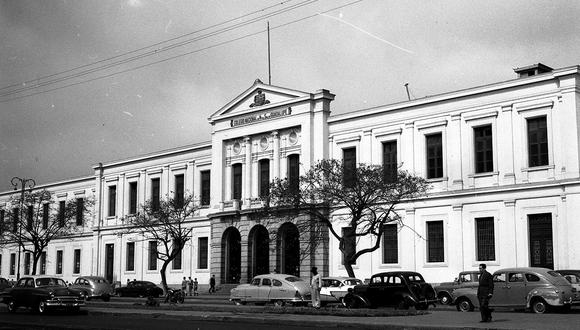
(83, 82)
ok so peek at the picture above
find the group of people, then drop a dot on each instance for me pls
(190, 286)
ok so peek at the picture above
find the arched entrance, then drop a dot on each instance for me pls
(288, 249)
(231, 256)
(258, 251)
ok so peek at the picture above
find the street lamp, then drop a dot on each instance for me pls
(23, 182)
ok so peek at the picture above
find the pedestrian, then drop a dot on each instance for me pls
(212, 284)
(184, 285)
(484, 293)
(128, 281)
(189, 286)
(315, 285)
(195, 287)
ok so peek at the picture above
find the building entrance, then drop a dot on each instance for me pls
(288, 249)
(231, 256)
(258, 251)
(109, 261)
(541, 246)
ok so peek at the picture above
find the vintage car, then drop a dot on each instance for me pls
(139, 289)
(532, 288)
(464, 280)
(93, 287)
(573, 276)
(41, 293)
(335, 288)
(279, 289)
(4, 284)
(399, 289)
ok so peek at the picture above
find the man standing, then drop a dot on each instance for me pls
(189, 286)
(484, 293)
(212, 284)
(195, 287)
(184, 285)
(315, 285)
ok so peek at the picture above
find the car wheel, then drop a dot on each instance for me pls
(464, 305)
(539, 306)
(41, 307)
(279, 303)
(422, 307)
(445, 298)
(12, 306)
(350, 301)
(402, 304)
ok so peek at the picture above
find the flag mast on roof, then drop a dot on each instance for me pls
(269, 70)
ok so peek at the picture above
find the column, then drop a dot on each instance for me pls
(276, 160)
(189, 177)
(247, 170)
(254, 168)
(505, 145)
(455, 163)
(141, 193)
(164, 184)
(122, 208)
(456, 224)
(366, 148)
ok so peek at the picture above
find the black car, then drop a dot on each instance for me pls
(399, 289)
(41, 294)
(4, 284)
(139, 289)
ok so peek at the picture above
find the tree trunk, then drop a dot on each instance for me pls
(36, 257)
(163, 276)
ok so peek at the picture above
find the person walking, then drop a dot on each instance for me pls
(184, 285)
(315, 286)
(195, 287)
(212, 284)
(189, 286)
(484, 293)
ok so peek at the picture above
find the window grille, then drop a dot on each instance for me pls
(435, 242)
(485, 239)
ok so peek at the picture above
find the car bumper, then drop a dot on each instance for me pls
(64, 302)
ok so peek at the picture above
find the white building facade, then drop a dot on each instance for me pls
(503, 161)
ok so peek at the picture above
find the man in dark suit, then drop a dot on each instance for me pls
(484, 293)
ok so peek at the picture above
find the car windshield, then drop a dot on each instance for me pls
(49, 282)
(353, 282)
(414, 278)
(293, 279)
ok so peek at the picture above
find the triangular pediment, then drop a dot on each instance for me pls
(258, 97)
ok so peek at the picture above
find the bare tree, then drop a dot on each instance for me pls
(166, 222)
(38, 220)
(331, 194)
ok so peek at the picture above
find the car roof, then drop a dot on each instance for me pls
(339, 278)
(397, 273)
(92, 277)
(40, 276)
(524, 269)
(275, 275)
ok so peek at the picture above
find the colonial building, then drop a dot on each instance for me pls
(503, 161)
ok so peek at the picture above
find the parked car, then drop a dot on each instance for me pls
(93, 287)
(139, 289)
(41, 293)
(532, 288)
(279, 289)
(573, 276)
(335, 288)
(399, 289)
(4, 284)
(464, 280)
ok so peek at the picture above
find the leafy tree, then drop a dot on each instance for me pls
(165, 221)
(331, 194)
(38, 220)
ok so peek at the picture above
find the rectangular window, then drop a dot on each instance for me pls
(155, 193)
(43, 263)
(12, 263)
(537, 142)
(176, 263)
(205, 187)
(434, 146)
(390, 164)
(15, 219)
(152, 255)
(0, 264)
(80, 211)
(61, 213)
(45, 210)
(77, 261)
(264, 177)
(483, 147)
(179, 189)
(29, 217)
(130, 257)
(390, 244)
(133, 197)
(435, 243)
(202, 253)
(349, 165)
(112, 201)
(2, 212)
(237, 181)
(485, 239)
(59, 262)
(348, 234)
(294, 171)
(27, 263)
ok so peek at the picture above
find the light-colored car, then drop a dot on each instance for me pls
(94, 287)
(537, 289)
(464, 280)
(335, 288)
(573, 276)
(279, 289)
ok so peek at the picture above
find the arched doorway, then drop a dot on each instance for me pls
(288, 249)
(231, 256)
(258, 251)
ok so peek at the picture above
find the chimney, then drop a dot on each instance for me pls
(532, 70)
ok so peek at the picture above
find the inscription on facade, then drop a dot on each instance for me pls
(267, 115)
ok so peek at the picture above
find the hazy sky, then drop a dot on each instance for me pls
(76, 90)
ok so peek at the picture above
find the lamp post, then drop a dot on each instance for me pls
(22, 182)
